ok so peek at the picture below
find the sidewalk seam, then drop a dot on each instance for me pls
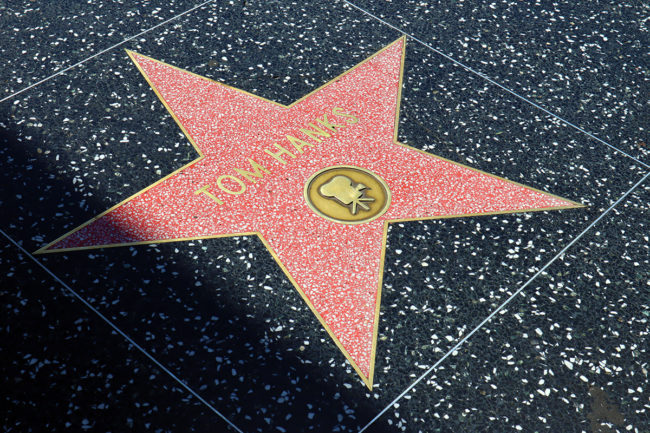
(490, 80)
(105, 50)
(504, 304)
(120, 332)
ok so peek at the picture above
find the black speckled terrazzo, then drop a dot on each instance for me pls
(570, 354)
(42, 37)
(585, 62)
(221, 315)
(63, 369)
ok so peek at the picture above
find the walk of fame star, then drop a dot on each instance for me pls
(318, 181)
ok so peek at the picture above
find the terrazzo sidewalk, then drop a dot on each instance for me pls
(507, 321)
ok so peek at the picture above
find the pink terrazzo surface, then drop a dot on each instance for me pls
(336, 266)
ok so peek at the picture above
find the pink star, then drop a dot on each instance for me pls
(255, 159)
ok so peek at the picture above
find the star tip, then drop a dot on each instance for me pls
(367, 380)
(575, 205)
(400, 40)
(40, 251)
(132, 54)
(47, 249)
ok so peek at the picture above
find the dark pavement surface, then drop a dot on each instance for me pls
(568, 352)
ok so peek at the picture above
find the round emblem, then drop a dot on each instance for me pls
(347, 194)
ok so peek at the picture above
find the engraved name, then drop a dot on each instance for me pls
(280, 154)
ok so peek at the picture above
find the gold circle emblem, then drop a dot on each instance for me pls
(347, 194)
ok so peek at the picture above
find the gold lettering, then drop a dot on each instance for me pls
(242, 185)
(350, 118)
(249, 175)
(329, 125)
(204, 190)
(278, 155)
(298, 143)
(315, 134)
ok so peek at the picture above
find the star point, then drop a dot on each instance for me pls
(256, 163)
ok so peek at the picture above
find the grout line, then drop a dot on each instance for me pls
(460, 342)
(485, 77)
(120, 332)
(504, 304)
(6, 98)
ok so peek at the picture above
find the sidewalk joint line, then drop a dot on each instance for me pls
(503, 305)
(119, 331)
(6, 98)
(490, 80)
